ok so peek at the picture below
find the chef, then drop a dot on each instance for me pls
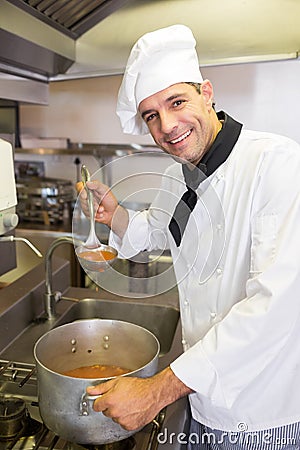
(229, 210)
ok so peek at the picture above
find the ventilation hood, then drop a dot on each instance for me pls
(54, 40)
(38, 37)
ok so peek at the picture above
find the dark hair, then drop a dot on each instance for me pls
(197, 86)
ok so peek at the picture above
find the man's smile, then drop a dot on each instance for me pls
(180, 138)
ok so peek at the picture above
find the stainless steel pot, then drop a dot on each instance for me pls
(65, 407)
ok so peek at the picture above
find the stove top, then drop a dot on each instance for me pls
(21, 427)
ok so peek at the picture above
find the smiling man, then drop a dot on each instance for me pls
(234, 236)
(182, 122)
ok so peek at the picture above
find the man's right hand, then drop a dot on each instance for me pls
(107, 209)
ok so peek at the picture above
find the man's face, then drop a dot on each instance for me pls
(181, 121)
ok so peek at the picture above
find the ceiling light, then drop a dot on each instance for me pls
(250, 59)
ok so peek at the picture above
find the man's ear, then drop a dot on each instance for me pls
(207, 92)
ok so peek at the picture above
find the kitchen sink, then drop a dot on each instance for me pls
(161, 320)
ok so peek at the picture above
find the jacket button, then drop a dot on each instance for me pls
(219, 271)
(213, 315)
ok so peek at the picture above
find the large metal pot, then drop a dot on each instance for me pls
(64, 405)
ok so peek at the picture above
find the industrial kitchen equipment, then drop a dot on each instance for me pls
(8, 217)
(8, 201)
(42, 199)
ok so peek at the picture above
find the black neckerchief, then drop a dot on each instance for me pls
(216, 155)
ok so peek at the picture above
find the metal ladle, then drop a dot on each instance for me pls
(92, 240)
(93, 244)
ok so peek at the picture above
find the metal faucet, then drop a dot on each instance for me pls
(26, 241)
(50, 297)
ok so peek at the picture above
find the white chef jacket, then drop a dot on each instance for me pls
(238, 274)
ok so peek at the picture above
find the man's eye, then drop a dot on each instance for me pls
(178, 103)
(150, 117)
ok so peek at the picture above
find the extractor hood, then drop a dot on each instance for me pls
(38, 37)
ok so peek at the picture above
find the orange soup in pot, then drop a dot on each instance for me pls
(96, 371)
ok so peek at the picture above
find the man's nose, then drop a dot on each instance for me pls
(168, 122)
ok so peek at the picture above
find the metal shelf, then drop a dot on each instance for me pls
(98, 150)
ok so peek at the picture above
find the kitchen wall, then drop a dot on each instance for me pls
(264, 96)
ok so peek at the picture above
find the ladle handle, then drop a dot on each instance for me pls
(85, 176)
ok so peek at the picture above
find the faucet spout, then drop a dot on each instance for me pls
(26, 241)
(50, 297)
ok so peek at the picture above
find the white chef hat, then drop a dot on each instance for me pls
(157, 60)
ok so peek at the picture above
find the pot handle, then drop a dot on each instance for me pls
(85, 406)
